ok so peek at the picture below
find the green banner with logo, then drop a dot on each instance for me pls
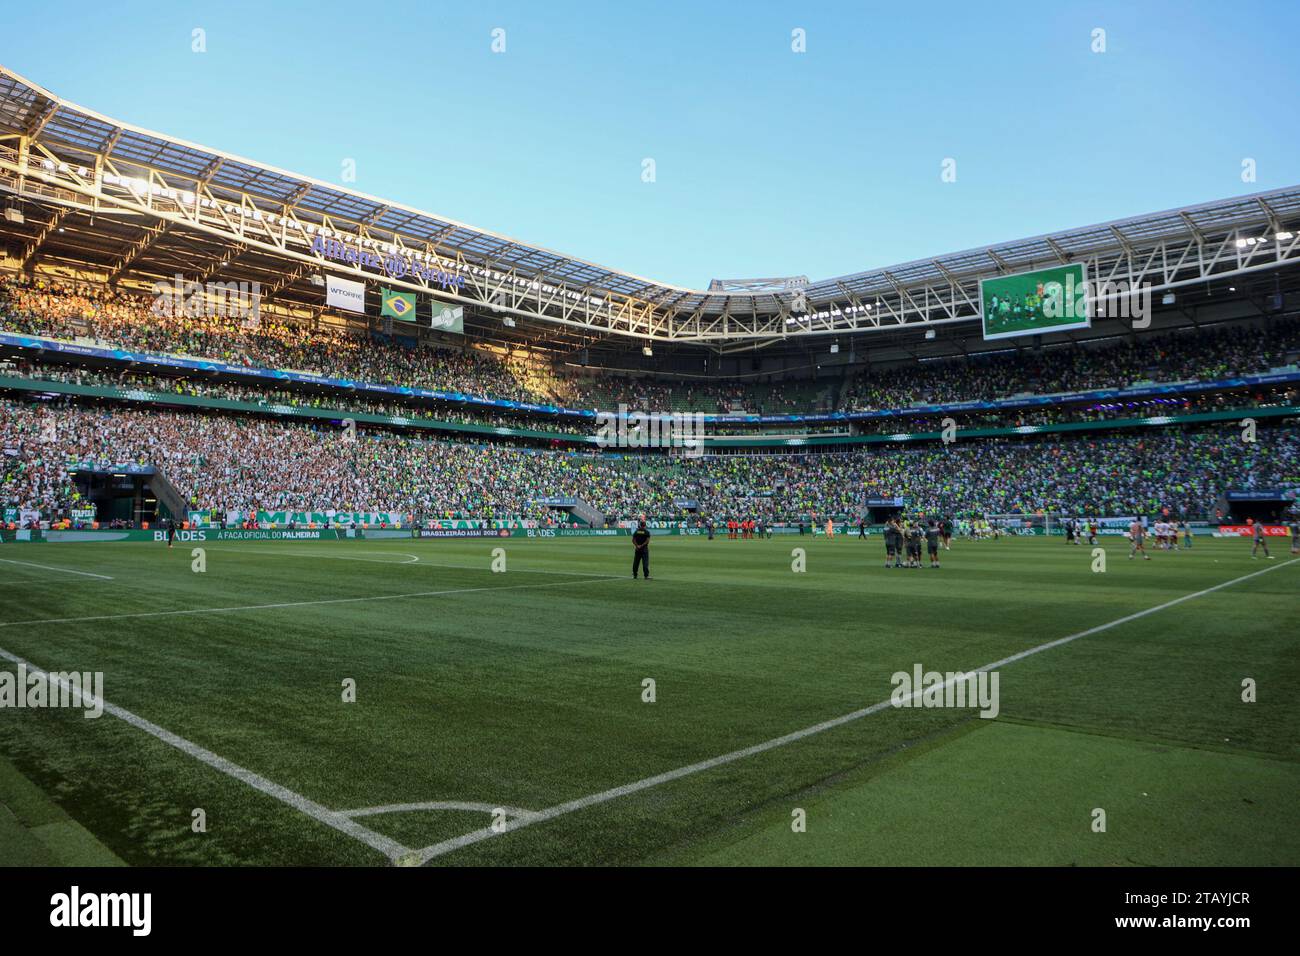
(448, 318)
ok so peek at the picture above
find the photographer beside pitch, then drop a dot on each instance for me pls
(641, 550)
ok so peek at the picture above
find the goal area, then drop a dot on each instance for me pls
(1021, 524)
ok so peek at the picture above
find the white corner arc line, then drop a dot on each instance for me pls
(646, 783)
(472, 806)
(48, 567)
(390, 848)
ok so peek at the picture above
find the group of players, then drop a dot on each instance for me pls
(1177, 536)
(743, 528)
(1168, 535)
(904, 537)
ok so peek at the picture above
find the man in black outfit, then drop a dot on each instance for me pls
(932, 535)
(641, 546)
(171, 531)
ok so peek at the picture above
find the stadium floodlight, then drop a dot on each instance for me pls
(14, 214)
(1168, 299)
(508, 322)
(929, 334)
(647, 351)
(835, 348)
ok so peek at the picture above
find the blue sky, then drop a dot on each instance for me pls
(767, 162)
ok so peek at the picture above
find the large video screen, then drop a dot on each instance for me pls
(1031, 303)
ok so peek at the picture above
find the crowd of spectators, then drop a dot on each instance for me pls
(125, 320)
(227, 463)
(224, 462)
(304, 397)
(272, 398)
(68, 310)
(1207, 354)
(722, 398)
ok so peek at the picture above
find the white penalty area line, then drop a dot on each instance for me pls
(582, 803)
(50, 567)
(284, 604)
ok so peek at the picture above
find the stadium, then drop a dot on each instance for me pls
(322, 507)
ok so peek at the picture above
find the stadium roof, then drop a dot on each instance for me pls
(229, 207)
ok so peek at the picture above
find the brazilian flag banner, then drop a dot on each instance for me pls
(400, 305)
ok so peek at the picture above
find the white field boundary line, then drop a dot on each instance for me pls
(414, 558)
(50, 567)
(284, 604)
(472, 567)
(447, 846)
(339, 821)
(427, 564)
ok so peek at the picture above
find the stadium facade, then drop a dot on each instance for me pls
(159, 200)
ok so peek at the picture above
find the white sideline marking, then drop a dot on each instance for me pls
(414, 559)
(271, 607)
(332, 557)
(472, 567)
(341, 822)
(47, 567)
(582, 803)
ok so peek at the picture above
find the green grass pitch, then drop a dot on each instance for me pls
(523, 690)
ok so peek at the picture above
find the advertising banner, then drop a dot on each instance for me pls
(571, 532)
(209, 534)
(345, 294)
(193, 535)
(371, 518)
(460, 533)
